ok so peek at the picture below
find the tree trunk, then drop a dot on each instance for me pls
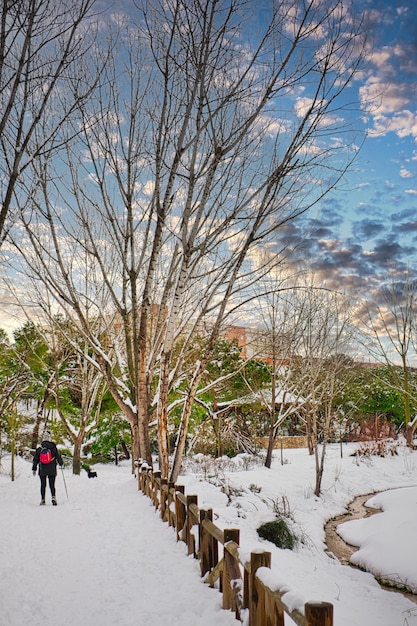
(125, 449)
(406, 394)
(35, 431)
(13, 452)
(409, 434)
(76, 460)
(319, 470)
(271, 442)
(141, 444)
(39, 412)
(182, 434)
(144, 447)
(315, 446)
(310, 443)
(136, 449)
(162, 416)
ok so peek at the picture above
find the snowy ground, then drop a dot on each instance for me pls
(387, 539)
(103, 556)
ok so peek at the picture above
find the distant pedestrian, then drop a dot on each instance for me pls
(47, 456)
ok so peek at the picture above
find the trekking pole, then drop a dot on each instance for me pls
(65, 484)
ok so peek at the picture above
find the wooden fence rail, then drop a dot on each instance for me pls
(243, 592)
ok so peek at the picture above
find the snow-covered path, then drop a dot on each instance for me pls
(102, 557)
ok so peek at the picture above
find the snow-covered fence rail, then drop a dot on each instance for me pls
(241, 583)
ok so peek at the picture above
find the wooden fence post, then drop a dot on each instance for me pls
(205, 543)
(138, 473)
(318, 613)
(179, 512)
(230, 572)
(189, 537)
(156, 481)
(170, 502)
(142, 477)
(148, 483)
(163, 497)
(256, 599)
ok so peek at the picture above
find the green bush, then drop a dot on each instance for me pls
(277, 532)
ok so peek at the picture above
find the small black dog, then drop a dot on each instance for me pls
(90, 473)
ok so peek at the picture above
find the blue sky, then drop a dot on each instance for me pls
(367, 230)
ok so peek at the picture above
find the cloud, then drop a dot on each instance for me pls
(405, 215)
(357, 265)
(340, 254)
(403, 124)
(148, 188)
(404, 173)
(390, 91)
(380, 96)
(368, 228)
(402, 10)
(388, 251)
(406, 227)
(381, 57)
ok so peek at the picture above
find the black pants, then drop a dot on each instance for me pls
(51, 485)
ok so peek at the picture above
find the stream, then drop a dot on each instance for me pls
(342, 550)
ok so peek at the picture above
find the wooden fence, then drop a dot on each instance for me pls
(242, 590)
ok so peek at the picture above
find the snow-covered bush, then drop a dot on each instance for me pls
(382, 448)
(279, 533)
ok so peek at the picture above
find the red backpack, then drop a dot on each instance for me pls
(46, 456)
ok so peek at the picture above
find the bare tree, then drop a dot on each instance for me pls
(281, 322)
(87, 389)
(391, 337)
(75, 386)
(213, 127)
(323, 357)
(41, 42)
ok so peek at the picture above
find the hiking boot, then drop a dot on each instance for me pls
(42, 502)
(54, 502)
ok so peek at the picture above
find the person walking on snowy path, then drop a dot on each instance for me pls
(47, 456)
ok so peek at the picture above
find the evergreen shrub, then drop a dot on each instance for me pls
(278, 533)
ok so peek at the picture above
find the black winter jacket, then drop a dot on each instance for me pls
(50, 468)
